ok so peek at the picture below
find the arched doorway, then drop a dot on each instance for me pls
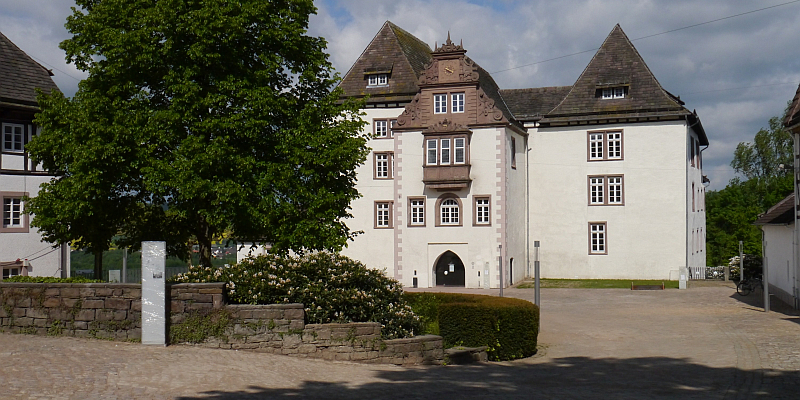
(449, 270)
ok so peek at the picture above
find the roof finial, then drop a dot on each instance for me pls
(448, 38)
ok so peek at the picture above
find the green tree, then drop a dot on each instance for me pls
(210, 117)
(766, 164)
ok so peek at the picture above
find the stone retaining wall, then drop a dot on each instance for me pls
(113, 311)
(99, 310)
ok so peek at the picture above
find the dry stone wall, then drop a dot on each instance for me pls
(200, 315)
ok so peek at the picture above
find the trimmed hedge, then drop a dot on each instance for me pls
(508, 327)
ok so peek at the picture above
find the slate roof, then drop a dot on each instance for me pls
(793, 117)
(617, 63)
(20, 75)
(780, 213)
(392, 50)
(489, 86)
(532, 104)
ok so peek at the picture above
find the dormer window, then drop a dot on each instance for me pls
(613, 93)
(378, 80)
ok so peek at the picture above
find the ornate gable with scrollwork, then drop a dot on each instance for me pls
(451, 89)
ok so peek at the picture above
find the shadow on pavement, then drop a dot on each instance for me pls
(756, 301)
(564, 378)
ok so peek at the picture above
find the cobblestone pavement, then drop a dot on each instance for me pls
(699, 343)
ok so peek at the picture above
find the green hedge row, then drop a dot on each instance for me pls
(508, 327)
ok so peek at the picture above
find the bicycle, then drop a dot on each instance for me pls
(749, 285)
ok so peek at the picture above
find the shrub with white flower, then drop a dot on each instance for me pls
(332, 288)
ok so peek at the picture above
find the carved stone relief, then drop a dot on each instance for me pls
(487, 112)
(411, 115)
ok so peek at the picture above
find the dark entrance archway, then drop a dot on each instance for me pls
(449, 270)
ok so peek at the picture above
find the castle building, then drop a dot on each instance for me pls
(465, 179)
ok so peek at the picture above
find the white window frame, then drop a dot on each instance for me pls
(614, 145)
(596, 146)
(616, 194)
(383, 165)
(12, 138)
(606, 190)
(440, 103)
(12, 271)
(450, 212)
(459, 158)
(457, 102)
(432, 152)
(605, 145)
(613, 93)
(597, 186)
(381, 128)
(598, 238)
(445, 152)
(378, 80)
(13, 218)
(482, 210)
(416, 211)
(383, 214)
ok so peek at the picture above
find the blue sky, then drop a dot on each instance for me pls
(737, 72)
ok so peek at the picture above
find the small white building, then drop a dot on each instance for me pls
(464, 177)
(778, 227)
(22, 251)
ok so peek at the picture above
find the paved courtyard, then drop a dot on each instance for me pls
(704, 342)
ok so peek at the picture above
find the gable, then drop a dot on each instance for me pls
(394, 52)
(793, 117)
(616, 64)
(21, 75)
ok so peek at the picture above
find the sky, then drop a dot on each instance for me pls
(736, 71)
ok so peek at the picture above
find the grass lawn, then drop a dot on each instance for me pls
(597, 283)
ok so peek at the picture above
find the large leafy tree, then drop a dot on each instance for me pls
(766, 165)
(197, 118)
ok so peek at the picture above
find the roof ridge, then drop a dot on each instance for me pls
(646, 67)
(49, 72)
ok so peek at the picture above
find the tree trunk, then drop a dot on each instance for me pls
(98, 264)
(204, 244)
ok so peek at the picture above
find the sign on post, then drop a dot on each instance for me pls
(154, 299)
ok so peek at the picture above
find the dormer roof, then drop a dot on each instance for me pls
(793, 117)
(21, 75)
(395, 52)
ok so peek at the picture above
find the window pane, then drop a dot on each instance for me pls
(596, 146)
(380, 128)
(607, 93)
(431, 152)
(460, 147)
(418, 212)
(382, 165)
(12, 212)
(383, 79)
(458, 102)
(373, 80)
(445, 151)
(449, 212)
(619, 93)
(615, 190)
(615, 145)
(596, 190)
(439, 104)
(598, 238)
(382, 218)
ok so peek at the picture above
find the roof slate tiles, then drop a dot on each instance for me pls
(793, 117)
(616, 63)
(532, 104)
(392, 49)
(21, 75)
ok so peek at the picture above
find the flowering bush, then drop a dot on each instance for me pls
(332, 288)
